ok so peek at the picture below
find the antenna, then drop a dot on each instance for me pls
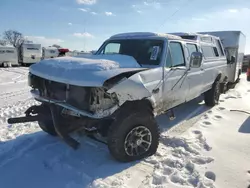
(177, 10)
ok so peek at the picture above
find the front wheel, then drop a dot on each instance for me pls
(133, 136)
(212, 96)
(47, 124)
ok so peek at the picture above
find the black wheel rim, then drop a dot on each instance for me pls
(138, 141)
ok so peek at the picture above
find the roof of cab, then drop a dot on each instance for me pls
(143, 35)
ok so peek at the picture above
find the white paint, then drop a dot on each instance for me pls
(30, 53)
(8, 55)
(49, 52)
(92, 70)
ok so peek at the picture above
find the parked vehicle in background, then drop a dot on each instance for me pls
(49, 52)
(29, 53)
(234, 45)
(62, 52)
(77, 53)
(117, 92)
(8, 56)
(246, 61)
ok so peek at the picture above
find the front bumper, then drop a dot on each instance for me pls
(98, 115)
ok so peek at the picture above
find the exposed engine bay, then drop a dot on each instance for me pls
(89, 99)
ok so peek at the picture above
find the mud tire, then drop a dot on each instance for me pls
(126, 120)
(212, 96)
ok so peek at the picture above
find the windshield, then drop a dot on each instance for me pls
(146, 52)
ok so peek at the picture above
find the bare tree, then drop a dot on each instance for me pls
(13, 37)
(3, 42)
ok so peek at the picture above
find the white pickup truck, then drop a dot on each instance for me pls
(118, 91)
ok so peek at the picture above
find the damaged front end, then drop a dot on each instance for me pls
(91, 102)
(70, 107)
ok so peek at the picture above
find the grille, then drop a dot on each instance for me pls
(76, 96)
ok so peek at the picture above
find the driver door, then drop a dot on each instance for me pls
(175, 70)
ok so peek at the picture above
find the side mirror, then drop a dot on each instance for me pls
(195, 60)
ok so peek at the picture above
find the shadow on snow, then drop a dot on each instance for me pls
(38, 160)
(245, 127)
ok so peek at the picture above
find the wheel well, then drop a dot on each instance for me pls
(128, 106)
(140, 104)
(137, 104)
(218, 77)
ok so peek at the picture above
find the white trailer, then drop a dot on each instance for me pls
(49, 52)
(30, 53)
(234, 45)
(8, 56)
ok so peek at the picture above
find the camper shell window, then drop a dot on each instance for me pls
(220, 47)
(2, 51)
(216, 52)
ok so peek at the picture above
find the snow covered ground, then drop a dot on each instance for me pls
(203, 147)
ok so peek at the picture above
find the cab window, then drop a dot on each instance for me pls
(175, 56)
(192, 48)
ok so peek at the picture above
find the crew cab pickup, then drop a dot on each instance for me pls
(118, 91)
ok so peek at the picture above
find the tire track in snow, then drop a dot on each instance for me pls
(15, 110)
(20, 77)
(9, 95)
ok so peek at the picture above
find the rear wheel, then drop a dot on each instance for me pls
(212, 96)
(133, 135)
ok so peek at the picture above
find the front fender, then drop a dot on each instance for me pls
(130, 89)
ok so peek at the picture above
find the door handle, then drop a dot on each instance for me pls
(156, 90)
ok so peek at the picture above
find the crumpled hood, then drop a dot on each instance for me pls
(92, 70)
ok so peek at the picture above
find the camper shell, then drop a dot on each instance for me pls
(8, 56)
(30, 53)
(49, 52)
(234, 45)
(118, 91)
